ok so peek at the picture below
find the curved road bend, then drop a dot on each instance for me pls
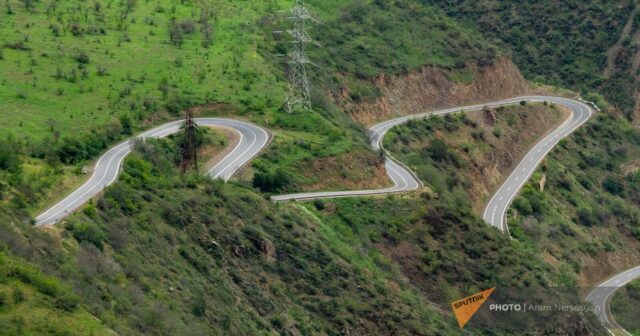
(496, 209)
(601, 296)
(404, 180)
(252, 140)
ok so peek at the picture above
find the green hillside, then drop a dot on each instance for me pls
(77, 77)
(625, 307)
(587, 216)
(159, 253)
(562, 43)
(32, 303)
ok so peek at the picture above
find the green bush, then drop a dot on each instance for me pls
(31, 276)
(66, 301)
(272, 181)
(18, 295)
(4, 299)
(523, 206)
(613, 185)
(438, 150)
(84, 232)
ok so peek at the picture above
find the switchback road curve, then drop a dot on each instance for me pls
(601, 296)
(495, 211)
(405, 180)
(252, 140)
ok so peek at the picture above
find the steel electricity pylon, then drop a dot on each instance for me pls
(189, 146)
(298, 94)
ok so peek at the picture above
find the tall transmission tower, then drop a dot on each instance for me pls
(189, 146)
(298, 94)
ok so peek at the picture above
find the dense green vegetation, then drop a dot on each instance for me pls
(589, 207)
(625, 307)
(447, 252)
(32, 303)
(463, 157)
(370, 37)
(563, 43)
(78, 77)
(587, 211)
(164, 254)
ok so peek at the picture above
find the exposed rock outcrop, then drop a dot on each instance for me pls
(432, 87)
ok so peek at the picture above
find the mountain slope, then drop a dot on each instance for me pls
(562, 43)
(167, 254)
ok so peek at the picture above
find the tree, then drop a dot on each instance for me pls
(9, 159)
(126, 123)
(271, 181)
(613, 186)
(438, 150)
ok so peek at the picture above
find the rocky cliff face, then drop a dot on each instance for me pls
(431, 88)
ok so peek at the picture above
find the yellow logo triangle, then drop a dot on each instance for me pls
(464, 309)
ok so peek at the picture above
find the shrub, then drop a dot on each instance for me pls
(438, 150)
(613, 186)
(587, 217)
(272, 181)
(18, 295)
(66, 301)
(4, 299)
(88, 233)
(523, 206)
(82, 58)
(9, 159)
(102, 71)
(31, 276)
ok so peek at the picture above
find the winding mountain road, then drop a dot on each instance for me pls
(252, 140)
(496, 209)
(601, 296)
(405, 180)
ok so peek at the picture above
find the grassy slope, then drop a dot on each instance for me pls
(78, 76)
(587, 219)
(470, 153)
(562, 43)
(460, 177)
(160, 254)
(34, 304)
(136, 55)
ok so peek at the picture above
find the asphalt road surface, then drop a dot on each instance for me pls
(252, 140)
(601, 298)
(495, 211)
(405, 180)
